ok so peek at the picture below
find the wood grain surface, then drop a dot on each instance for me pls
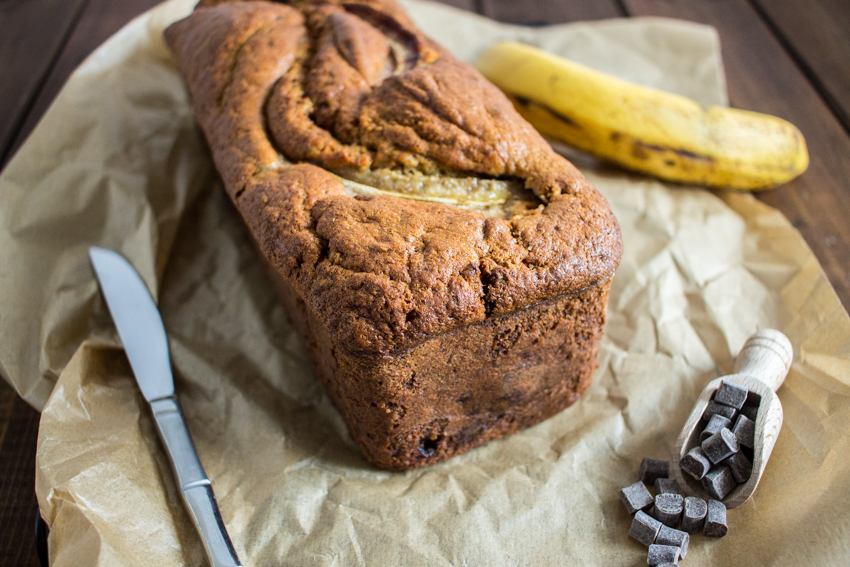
(815, 34)
(99, 20)
(784, 57)
(541, 12)
(18, 432)
(32, 35)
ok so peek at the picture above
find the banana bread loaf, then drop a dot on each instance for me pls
(447, 270)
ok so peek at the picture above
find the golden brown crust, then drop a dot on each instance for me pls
(356, 85)
(463, 388)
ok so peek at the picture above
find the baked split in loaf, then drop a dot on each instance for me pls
(448, 271)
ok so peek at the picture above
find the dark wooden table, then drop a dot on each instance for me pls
(790, 58)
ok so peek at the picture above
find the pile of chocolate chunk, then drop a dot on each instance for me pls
(724, 458)
(668, 511)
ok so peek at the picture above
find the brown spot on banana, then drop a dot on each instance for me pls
(643, 147)
(528, 103)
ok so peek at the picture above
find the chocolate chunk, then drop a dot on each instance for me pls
(720, 445)
(750, 411)
(715, 520)
(714, 408)
(730, 394)
(695, 463)
(740, 466)
(693, 517)
(745, 431)
(667, 486)
(715, 424)
(668, 509)
(670, 536)
(644, 528)
(660, 554)
(651, 469)
(719, 482)
(636, 497)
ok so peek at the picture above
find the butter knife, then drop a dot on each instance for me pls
(143, 336)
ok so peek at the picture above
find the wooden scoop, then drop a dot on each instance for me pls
(761, 368)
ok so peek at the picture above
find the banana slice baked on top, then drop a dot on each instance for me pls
(447, 270)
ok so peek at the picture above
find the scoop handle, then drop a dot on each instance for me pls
(767, 356)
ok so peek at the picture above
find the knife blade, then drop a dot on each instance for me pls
(143, 335)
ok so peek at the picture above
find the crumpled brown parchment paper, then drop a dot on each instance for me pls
(118, 162)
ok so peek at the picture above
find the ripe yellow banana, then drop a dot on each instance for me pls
(645, 129)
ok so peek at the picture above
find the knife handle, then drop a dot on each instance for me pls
(195, 487)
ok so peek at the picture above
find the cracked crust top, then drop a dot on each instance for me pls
(334, 86)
